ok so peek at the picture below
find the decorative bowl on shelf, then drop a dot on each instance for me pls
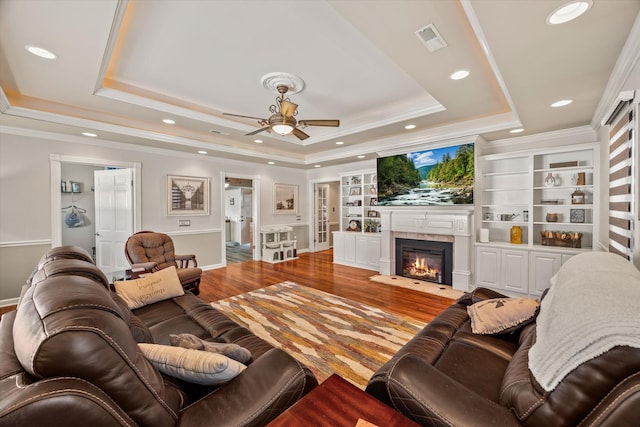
(552, 217)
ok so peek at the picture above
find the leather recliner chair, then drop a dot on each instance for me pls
(155, 251)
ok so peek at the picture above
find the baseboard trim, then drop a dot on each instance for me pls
(8, 302)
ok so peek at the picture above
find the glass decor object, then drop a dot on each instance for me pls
(549, 181)
(516, 235)
(552, 217)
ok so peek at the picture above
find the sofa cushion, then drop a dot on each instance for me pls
(195, 366)
(501, 315)
(158, 286)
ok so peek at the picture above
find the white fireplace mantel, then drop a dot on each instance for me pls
(430, 224)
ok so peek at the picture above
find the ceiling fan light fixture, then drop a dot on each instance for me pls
(568, 12)
(282, 129)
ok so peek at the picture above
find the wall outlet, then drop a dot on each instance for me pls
(184, 223)
(298, 218)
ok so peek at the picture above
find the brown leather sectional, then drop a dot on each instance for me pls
(448, 376)
(81, 364)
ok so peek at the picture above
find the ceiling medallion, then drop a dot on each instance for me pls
(293, 83)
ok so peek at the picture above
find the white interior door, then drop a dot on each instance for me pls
(114, 217)
(321, 217)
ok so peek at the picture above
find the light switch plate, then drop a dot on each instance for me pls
(184, 223)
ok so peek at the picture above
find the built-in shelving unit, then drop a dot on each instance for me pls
(536, 191)
(358, 242)
(358, 200)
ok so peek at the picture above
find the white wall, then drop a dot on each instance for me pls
(25, 207)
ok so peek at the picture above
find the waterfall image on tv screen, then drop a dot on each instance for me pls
(439, 176)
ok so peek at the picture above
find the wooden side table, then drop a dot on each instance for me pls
(335, 403)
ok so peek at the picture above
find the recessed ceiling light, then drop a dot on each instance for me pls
(409, 127)
(169, 121)
(202, 152)
(459, 75)
(42, 53)
(91, 134)
(271, 163)
(339, 142)
(568, 12)
(562, 103)
(257, 141)
(317, 166)
(516, 130)
(360, 156)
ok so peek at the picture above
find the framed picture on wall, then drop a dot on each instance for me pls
(187, 195)
(285, 199)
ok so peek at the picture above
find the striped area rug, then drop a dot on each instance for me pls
(327, 333)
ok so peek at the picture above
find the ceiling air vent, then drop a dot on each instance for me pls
(431, 38)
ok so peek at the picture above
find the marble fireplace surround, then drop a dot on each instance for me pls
(450, 225)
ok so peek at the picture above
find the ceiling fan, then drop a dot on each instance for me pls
(282, 120)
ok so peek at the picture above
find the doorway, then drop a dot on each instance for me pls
(239, 227)
(73, 208)
(326, 217)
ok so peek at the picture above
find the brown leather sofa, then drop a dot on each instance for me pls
(69, 356)
(449, 376)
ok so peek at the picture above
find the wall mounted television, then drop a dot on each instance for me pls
(438, 176)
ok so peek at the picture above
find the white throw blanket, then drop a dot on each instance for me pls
(593, 308)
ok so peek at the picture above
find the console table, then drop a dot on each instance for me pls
(335, 403)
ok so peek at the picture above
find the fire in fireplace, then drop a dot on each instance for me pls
(424, 260)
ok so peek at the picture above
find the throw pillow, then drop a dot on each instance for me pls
(231, 350)
(194, 366)
(501, 315)
(158, 286)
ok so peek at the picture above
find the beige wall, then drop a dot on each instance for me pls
(25, 192)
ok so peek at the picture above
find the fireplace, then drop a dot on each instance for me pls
(424, 260)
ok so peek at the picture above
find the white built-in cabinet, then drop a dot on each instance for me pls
(515, 190)
(357, 243)
(357, 250)
(517, 272)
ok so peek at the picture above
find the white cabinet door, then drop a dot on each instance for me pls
(488, 267)
(373, 252)
(361, 249)
(515, 271)
(543, 266)
(338, 247)
(350, 247)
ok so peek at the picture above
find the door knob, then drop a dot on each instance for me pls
(97, 234)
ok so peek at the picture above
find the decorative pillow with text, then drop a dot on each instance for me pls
(501, 315)
(158, 286)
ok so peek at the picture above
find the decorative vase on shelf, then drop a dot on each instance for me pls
(516, 235)
(552, 217)
(549, 181)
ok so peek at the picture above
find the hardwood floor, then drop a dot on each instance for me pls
(318, 271)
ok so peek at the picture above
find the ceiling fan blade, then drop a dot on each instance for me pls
(288, 109)
(331, 123)
(258, 131)
(298, 133)
(246, 117)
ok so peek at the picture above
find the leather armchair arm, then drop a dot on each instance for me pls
(429, 397)
(183, 260)
(147, 266)
(268, 386)
(479, 294)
